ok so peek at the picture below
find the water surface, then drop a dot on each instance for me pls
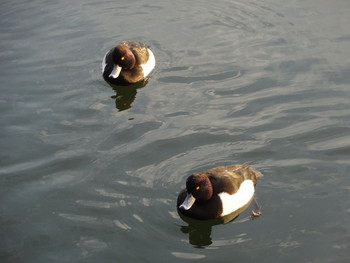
(91, 174)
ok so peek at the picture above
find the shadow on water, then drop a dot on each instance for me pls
(125, 95)
(199, 231)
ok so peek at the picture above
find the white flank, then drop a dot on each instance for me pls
(231, 203)
(104, 62)
(149, 66)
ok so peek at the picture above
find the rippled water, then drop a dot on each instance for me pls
(91, 174)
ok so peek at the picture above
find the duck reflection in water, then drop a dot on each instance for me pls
(199, 231)
(125, 95)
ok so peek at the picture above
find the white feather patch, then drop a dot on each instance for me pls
(104, 62)
(231, 203)
(149, 66)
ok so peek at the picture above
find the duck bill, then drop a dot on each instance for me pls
(189, 201)
(115, 72)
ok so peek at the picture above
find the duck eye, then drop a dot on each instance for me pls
(197, 188)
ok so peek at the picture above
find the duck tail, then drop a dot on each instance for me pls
(257, 174)
(249, 173)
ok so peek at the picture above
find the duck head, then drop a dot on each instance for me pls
(199, 189)
(123, 58)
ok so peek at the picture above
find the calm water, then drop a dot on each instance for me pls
(91, 174)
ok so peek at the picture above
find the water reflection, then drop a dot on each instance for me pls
(199, 231)
(125, 95)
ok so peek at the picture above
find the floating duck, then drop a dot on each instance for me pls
(218, 192)
(127, 63)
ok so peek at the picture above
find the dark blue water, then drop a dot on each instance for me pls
(91, 174)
